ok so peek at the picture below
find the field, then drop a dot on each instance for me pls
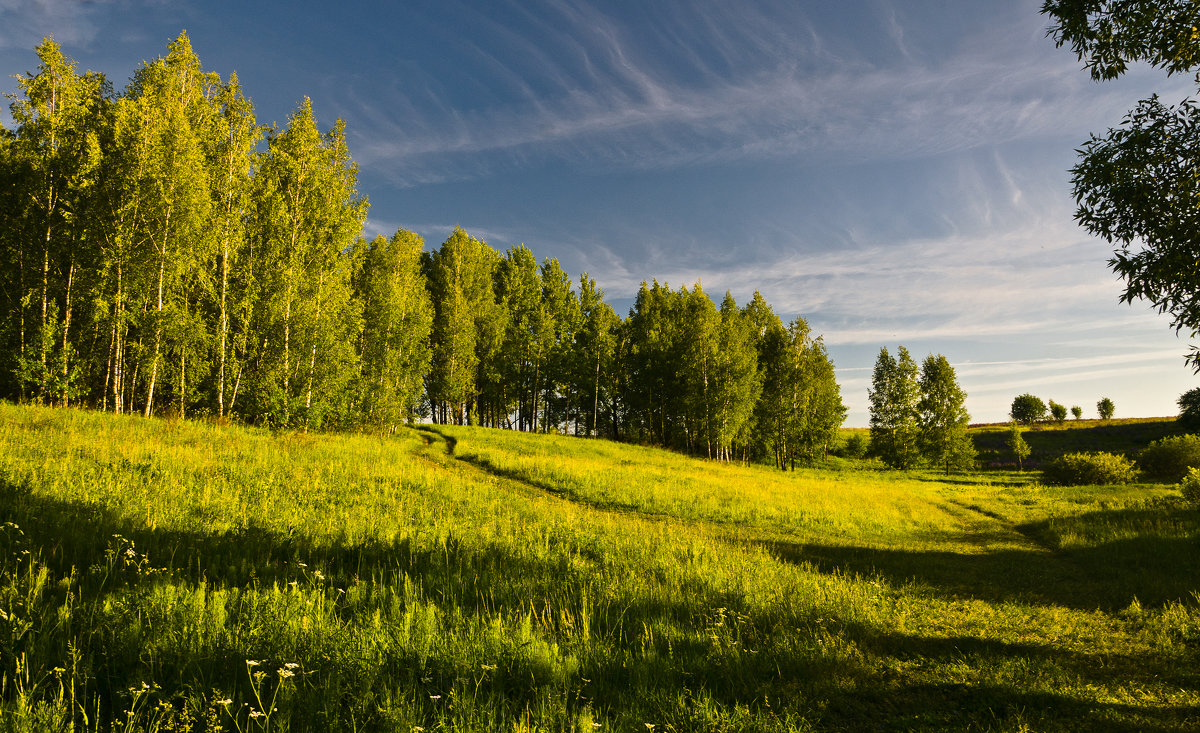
(180, 576)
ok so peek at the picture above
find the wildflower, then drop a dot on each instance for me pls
(317, 574)
(284, 673)
(488, 667)
(435, 697)
(252, 662)
(224, 702)
(291, 665)
(256, 713)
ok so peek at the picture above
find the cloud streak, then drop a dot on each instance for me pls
(766, 99)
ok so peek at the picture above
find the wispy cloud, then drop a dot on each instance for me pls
(764, 96)
(23, 23)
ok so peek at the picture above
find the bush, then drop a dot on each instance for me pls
(1106, 408)
(856, 446)
(1027, 409)
(1079, 469)
(1190, 486)
(1169, 459)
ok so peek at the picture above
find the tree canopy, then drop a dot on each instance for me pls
(1138, 185)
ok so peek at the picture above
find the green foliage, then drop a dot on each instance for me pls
(1027, 409)
(1107, 35)
(856, 446)
(1170, 459)
(1016, 443)
(1189, 409)
(1189, 486)
(1085, 469)
(894, 396)
(1136, 186)
(1057, 411)
(942, 416)
(1105, 408)
(1077, 412)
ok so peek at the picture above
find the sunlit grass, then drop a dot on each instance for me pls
(547, 583)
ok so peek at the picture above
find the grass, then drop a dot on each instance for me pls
(468, 579)
(1049, 440)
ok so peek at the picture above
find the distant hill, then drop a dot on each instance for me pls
(1047, 441)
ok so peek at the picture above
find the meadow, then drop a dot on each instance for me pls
(182, 576)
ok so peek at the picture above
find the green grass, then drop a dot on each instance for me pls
(1050, 440)
(468, 579)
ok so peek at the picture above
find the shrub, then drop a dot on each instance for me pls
(1079, 469)
(1170, 458)
(1028, 409)
(1106, 408)
(856, 446)
(1190, 486)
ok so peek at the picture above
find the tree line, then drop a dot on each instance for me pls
(164, 252)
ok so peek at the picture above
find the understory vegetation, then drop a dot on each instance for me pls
(167, 575)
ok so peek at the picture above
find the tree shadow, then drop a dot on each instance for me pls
(1155, 563)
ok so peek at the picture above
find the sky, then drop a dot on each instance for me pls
(895, 172)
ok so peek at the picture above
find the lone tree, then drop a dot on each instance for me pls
(1017, 444)
(1058, 412)
(1027, 409)
(1189, 409)
(1138, 186)
(1077, 412)
(942, 416)
(1106, 408)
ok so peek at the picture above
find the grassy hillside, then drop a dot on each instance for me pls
(1047, 441)
(179, 576)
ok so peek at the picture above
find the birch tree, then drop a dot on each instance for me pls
(943, 416)
(308, 216)
(397, 320)
(54, 155)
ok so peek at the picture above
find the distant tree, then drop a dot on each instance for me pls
(1027, 409)
(1189, 409)
(942, 416)
(1017, 444)
(1058, 412)
(1077, 412)
(1106, 408)
(893, 398)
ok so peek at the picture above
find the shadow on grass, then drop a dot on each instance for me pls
(1155, 562)
(956, 707)
(638, 673)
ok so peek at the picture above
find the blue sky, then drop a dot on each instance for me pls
(895, 172)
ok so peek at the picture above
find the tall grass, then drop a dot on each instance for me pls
(161, 576)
